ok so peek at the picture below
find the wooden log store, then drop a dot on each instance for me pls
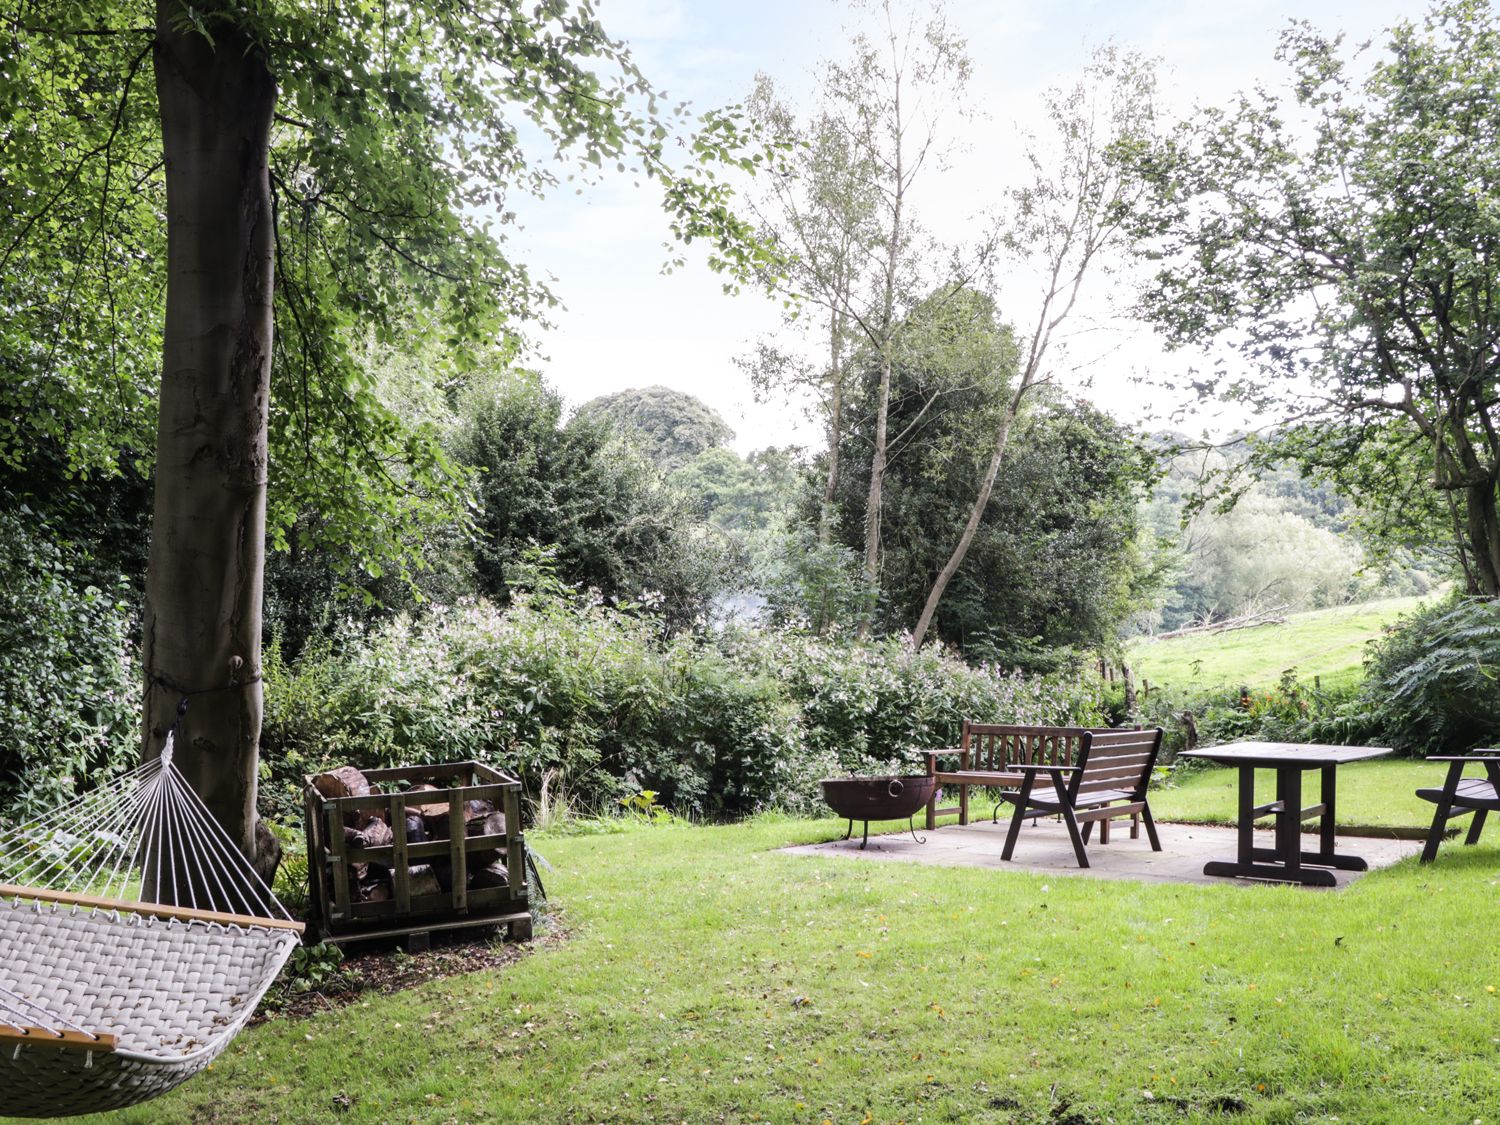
(414, 849)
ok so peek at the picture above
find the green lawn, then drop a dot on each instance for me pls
(710, 978)
(1328, 643)
(1378, 793)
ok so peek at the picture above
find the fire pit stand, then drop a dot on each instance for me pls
(878, 798)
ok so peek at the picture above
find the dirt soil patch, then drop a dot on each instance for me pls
(383, 966)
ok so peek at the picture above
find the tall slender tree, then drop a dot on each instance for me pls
(850, 225)
(1064, 223)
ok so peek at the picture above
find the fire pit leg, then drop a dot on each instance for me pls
(866, 840)
(850, 832)
(911, 827)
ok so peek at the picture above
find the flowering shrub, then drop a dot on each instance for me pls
(718, 726)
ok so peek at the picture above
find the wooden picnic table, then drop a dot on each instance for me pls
(1286, 861)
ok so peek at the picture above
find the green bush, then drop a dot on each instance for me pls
(68, 686)
(1432, 684)
(719, 726)
(1292, 711)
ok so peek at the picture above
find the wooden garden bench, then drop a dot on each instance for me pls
(1108, 778)
(988, 756)
(1461, 795)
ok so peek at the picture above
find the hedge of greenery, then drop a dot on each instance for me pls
(69, 692)
(559, 683)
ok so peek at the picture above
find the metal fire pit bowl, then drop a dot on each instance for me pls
(878, 798)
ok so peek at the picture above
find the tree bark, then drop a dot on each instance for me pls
(1484, 538)
(873, 497)
(204, 576)
(835, 424)
(971, 527)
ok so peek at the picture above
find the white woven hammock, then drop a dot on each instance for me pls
(135, 942)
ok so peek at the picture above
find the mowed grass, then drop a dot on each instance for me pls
(710, 978)
(1326, 643)
(1379, 793)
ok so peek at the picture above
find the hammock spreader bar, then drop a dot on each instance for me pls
(138, 941)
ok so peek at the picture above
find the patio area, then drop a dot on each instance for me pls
(1043, 849)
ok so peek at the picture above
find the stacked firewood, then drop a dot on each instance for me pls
(427, 818)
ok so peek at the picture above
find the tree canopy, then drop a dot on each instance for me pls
(599, 505)
(1343, 236)
(1054, 562)
(671, 427)
(296, 177)
(400, 134)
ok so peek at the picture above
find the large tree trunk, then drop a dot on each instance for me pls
(1484, 538)
(203, 581)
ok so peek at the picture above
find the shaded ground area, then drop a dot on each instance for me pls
(379, 968)
(1043, 849)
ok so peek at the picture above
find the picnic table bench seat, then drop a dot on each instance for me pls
(1459, 796)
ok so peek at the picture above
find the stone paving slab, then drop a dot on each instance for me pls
(1043, 849)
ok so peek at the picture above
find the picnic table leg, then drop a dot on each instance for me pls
(1326, 824)
(1244, 862)
(1289, 819)
(1326, 821)
(1444, 808)
(1476, 826)
(1247, 815)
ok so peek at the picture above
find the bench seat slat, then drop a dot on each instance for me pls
(1473, 791)
(978, 777)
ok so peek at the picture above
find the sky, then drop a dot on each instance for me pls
(627, 324)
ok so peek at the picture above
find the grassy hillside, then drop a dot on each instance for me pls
(1329, 643)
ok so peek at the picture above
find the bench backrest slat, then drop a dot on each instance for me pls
(998, 746)
(1117, 760)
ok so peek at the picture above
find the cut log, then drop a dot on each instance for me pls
(376, 886)
(346, 781)
(492, 825)
(416, 828)
(424, 880)
(494, 875)
(375, 834)
(432, 809)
